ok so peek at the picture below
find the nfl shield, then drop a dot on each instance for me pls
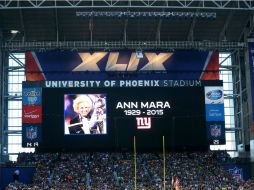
(31, 135)
(215, 130)
(236, 173)
(31, 132)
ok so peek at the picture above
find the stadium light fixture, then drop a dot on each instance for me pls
(128, 14)
(14, 32)
(139, 54)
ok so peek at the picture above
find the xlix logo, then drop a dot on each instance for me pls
(143, 122)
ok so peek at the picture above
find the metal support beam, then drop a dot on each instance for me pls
(241, 121)
(3, 104)
(56, 25)
(225, 59)
(125, 30)
(158, 31)
(190, 36)
(223, 34)
(246, 30)
(190, 4)
(14, 69)
(13, 57)
(118, 45)
(1, 101)
(91, 25)
(251, 30)
(22, 25)
(13, 97)
(6, 132)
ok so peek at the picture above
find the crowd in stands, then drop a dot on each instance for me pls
(113, 171)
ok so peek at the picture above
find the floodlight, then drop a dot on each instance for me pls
(139, 54)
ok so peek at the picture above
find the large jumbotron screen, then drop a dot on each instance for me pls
(109, 118)
(101, 100)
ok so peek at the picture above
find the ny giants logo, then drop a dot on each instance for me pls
(143, 122)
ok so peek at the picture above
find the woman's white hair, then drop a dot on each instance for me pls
(80, 99)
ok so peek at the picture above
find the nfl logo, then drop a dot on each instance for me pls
(31, 132)
(236, 173)
(215, 130)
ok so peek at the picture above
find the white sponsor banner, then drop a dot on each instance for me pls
(214, 95)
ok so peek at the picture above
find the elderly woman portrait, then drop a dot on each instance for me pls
(82, 123)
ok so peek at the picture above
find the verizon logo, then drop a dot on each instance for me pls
(143, 122)
(31, 115)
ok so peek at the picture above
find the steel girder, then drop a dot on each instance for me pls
(183, 4)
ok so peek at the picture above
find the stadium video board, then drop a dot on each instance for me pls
(106, 115)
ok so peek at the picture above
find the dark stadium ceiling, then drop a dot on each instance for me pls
(62, 21)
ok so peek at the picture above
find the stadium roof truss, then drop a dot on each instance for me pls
(125, 24)
(119, 45)
(195, 4)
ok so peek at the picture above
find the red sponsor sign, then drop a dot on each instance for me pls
(31, 114)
